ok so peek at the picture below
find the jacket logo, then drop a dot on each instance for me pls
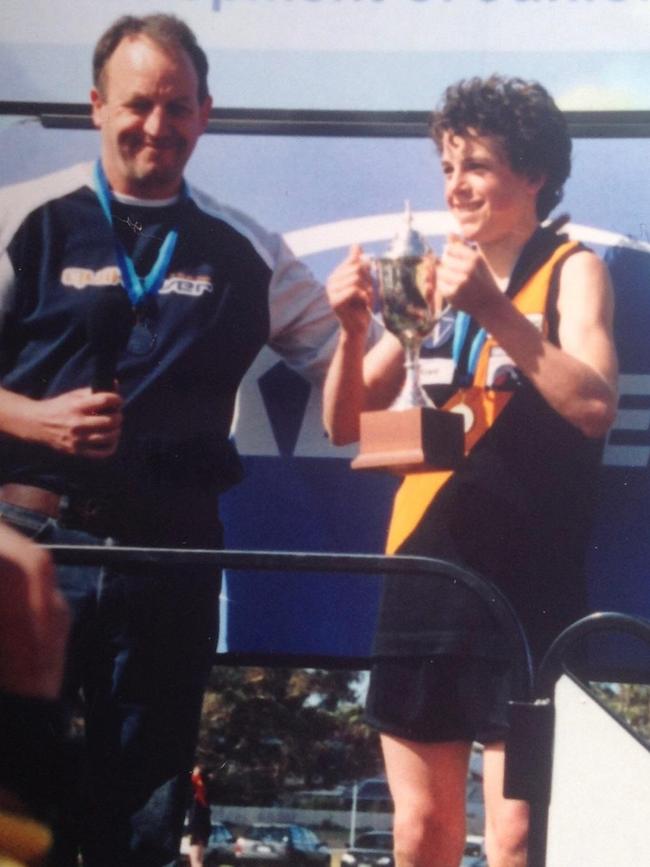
(81, 278)
(181, 284)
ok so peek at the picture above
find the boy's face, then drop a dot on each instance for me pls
(489, 200)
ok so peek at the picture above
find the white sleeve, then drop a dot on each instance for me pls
(7, 286)
(303, 327)
(7, 275)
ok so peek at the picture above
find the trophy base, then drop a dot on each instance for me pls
(414, 440)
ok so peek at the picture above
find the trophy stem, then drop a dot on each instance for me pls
(412, 394)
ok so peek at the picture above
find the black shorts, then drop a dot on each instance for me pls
(440, 698)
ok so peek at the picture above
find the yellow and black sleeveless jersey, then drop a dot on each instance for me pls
(516, 511)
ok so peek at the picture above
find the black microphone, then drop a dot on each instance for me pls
(109, 321)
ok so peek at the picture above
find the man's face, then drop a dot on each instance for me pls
(149, 116)
(489, 200)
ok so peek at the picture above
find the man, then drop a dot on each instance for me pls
(139, 458)
(532, 368)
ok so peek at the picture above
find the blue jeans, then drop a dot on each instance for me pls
(142, 642)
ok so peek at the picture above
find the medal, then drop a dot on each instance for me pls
(142, 339)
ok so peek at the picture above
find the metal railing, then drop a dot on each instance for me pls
(554, 664)
(533, 694)
(362, 564)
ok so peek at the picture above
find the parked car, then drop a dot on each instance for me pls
(220, 848)
(375, 849)
(372, 794)
(372, 849)
(376, 788)
(274, 844)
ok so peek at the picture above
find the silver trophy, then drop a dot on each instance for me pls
(418, 437)
(408, 303)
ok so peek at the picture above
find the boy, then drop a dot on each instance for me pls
(534, 375)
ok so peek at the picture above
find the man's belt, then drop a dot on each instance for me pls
(32, 498)
(83, 513)
(145, 522)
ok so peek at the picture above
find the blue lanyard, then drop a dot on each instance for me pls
(461, 328)
(136, 288)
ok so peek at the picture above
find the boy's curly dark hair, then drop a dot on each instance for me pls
(523, 117)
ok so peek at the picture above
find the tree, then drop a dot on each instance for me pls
(630, 702)
(266, 730)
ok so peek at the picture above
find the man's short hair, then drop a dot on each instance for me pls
(523, 117)
(167, 31)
